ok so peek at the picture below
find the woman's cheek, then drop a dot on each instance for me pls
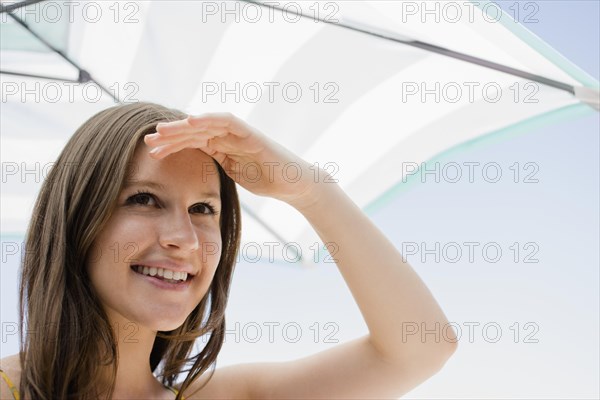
(211, 245)
(130, 241)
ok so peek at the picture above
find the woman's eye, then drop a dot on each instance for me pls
(141, 199)
(204, 208)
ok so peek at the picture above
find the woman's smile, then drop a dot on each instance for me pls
(177, 283)
(163, 274)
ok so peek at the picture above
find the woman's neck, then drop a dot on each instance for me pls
(134, 378)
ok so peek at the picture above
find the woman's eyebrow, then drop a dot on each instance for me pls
(160, 186)
(151, 184)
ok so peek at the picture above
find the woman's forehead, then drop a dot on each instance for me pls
(177, 169)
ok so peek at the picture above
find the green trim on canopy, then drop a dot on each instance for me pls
(539, 121)
(49, 20)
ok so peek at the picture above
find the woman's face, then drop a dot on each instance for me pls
(166, 219)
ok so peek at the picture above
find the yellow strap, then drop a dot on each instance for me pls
(16, 395)
(11, 387)
(172, 389)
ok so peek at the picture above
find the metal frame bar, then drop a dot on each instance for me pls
(84, 76)
(437, 49)
(16, 6)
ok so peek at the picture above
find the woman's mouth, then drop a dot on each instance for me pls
(166, 275)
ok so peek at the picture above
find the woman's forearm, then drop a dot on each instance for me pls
(405, 322)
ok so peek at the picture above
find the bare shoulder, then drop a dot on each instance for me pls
(11, 366)
(229, 382)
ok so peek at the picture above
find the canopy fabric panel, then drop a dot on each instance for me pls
(358, 105)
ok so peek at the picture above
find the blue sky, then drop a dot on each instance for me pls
(571, 27)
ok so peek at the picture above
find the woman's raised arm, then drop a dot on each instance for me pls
(409, 339)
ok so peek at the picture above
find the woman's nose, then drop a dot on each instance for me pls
(178, 231)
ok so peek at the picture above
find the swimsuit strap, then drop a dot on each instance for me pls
(11, 387)
(16, 395)
(172, 389)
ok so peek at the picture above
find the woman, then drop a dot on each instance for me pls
(130, 253)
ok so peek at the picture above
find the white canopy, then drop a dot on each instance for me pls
(376, 89)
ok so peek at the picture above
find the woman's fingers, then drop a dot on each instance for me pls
(236, 132)
(222, 123)
(158, 138)
(221, 120)
(175, 127)
(203, 127)
(219, 157)
(170, 148)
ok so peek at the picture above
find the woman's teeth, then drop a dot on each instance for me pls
(166, 274)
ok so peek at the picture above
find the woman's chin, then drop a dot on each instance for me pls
(162, 318)
(150, 323)
(166, 326)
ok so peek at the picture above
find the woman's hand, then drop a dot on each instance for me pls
(249, 157)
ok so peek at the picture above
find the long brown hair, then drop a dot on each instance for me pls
(65, 333)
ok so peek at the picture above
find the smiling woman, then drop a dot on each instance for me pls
(130, 254)
(89, 317)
